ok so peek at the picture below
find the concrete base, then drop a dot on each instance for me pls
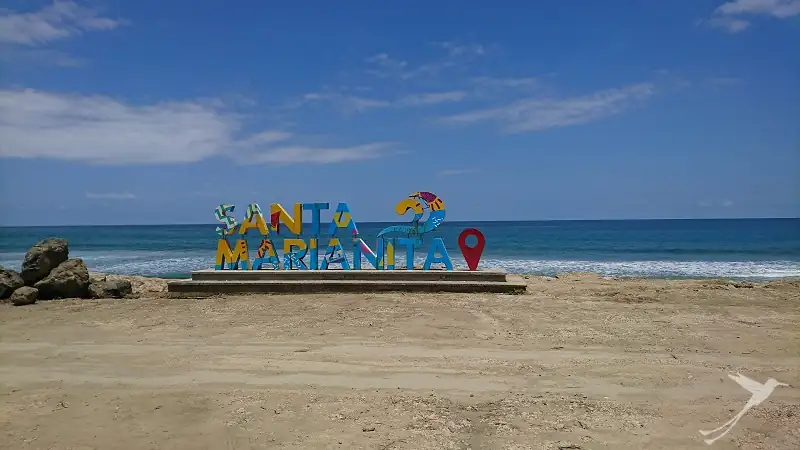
(212, 282)
(339, 274)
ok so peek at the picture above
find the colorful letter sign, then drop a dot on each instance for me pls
(303, 253)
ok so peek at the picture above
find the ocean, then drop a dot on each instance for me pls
(747, 249)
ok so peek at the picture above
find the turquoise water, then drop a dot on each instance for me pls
(743, 248)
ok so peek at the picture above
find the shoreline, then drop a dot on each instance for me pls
(156, 287)
(47, 272)
(749, 279)
(151, 288)
(760, 280)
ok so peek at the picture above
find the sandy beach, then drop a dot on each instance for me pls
(579, 362)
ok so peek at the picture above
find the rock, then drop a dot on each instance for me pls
(144, 286)
(42, 258)
(25, 295)
(97, 289)
(9, 282)
(110, 289)
(69, 280)
(119, 288)
(97, 277)
(140, 286)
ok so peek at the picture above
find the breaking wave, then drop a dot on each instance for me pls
(170, 265)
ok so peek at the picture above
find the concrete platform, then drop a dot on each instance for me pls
(212, 282)
(338, 274)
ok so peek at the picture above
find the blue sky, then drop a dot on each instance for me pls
(123, 112)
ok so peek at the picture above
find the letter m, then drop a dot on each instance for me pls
(232, 257)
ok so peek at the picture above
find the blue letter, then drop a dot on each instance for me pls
(315, 208)
(409, 243)
(438, 244)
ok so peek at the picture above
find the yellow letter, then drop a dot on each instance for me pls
(255, 221)
(232, 257)
(278, 214)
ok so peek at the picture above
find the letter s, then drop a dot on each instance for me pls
(221, 213)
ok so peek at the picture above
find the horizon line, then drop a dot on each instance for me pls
(444, 223)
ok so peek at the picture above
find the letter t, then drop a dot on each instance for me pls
(315, 208)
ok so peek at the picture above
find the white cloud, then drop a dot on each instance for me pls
(456, 56)
(729, 24)
(60, 20)
(263, 138)
(533, 114)
(731, 15)
(507, 83)
(456, 50)
(776, 8)
(385, 64)
(432, 98)
(727, 203)
(361, 104)
(347, 103)
(355, 104)
(102, 130)
(429, 70)
(302, 154)
(111, 196)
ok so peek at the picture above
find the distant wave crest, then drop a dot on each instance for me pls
(164, 264)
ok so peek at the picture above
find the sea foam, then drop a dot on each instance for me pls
(165, 264)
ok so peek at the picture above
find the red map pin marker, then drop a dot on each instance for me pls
(472, 255)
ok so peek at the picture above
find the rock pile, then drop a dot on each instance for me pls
(42, 258)
(10, 281)
(48, 273)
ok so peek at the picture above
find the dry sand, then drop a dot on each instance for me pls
(578, 363)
